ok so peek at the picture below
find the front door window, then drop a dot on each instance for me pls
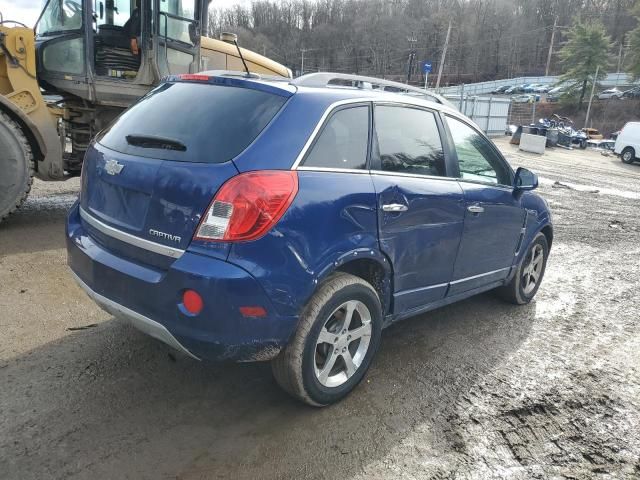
(477, 159)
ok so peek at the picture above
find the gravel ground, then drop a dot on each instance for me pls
(479, 389)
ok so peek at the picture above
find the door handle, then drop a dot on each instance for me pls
(475, 208)
(394, 207)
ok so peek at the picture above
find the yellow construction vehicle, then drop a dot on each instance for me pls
(82, 65)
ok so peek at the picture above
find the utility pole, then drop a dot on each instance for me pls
(553, 37)
(619, 61)
(412, 55)
(444, 55)
(620, 55)
(302, 50)
(593, 87)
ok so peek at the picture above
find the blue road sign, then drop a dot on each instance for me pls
(426, 67)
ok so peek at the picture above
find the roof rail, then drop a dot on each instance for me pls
(324, 79)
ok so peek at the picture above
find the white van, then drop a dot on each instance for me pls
(628, 143)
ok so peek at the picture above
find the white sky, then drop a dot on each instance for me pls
(27, 11)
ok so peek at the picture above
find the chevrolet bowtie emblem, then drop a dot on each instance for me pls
(112, 167)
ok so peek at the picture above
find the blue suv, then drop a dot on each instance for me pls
(249, 219)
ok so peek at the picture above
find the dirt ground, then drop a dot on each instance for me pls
(475, 390)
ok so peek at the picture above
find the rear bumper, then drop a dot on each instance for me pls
(150, 297)
(142, 323)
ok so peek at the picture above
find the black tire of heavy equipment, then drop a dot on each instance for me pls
(16, 166)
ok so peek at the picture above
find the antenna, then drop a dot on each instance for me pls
(233, 38)
(235, 42)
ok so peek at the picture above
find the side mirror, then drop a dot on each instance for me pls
(524, 180)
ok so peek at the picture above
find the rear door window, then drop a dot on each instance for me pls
(193, 122)
(408, 141)
(343, 141)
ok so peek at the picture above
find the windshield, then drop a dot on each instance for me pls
(60, 16)
(192, 122)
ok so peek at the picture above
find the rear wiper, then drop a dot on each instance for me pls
(151, 141)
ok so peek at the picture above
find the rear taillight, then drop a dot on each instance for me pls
(248, 206)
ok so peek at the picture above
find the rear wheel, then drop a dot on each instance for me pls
(628, 155)
(16, 166)
(337, 337)
(526, 281)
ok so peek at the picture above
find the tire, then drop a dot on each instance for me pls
(583, 144)
(302, 364)
(16, 166)
(628, 155)
(519, 290)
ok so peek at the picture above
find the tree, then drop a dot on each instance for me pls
(490, 39)
(588, 47)
(634, 46)
(634, 53)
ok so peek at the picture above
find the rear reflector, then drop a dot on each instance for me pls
(192, 302)
(248, 206)
(253, 312)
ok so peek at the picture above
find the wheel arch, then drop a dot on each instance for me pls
(547, 230)
(28, 127)
(369, 264)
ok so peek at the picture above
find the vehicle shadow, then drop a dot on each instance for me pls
(109, 402)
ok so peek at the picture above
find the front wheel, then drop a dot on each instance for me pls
(16, 166)
(628, 155)
(337, 337)
(526, 281)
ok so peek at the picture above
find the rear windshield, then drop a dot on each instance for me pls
(192, 122)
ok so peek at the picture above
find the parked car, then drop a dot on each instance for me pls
(515, 89)
(610, 93)
(499, 90)
(593, 134)
(632, 93)
(250, 219)
(530, 88)
(526, 98)
(541, 89)
(628, 142)
(603, 145)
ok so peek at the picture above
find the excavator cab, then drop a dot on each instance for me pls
(88, 62)
(110, 52)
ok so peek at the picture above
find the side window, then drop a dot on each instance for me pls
(409, 141)
(343, 141)
(477, 160)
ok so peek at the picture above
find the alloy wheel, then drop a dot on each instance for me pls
(342, 344)
(533, 269)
